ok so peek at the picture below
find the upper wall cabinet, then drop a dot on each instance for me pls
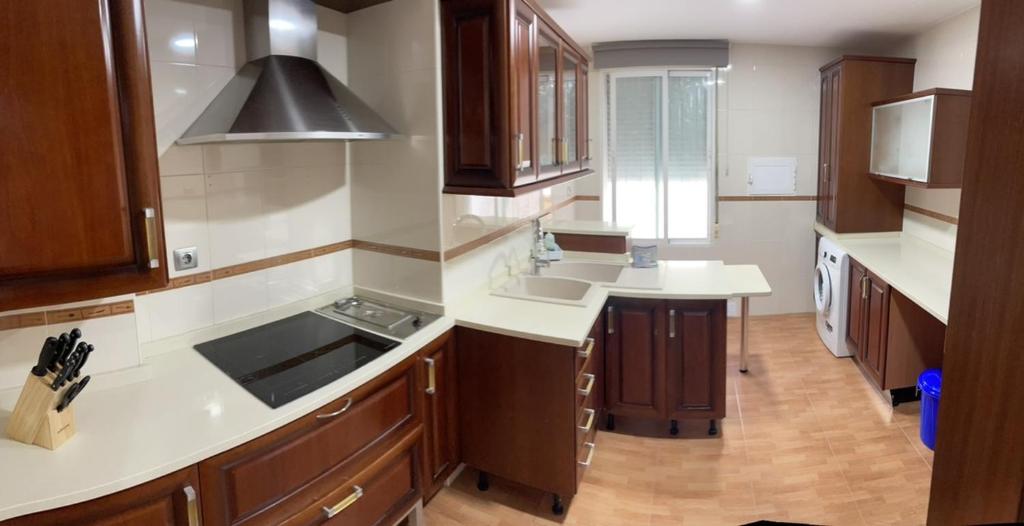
(515, 99)
(79, 185)
(920, 139)
(848, 200)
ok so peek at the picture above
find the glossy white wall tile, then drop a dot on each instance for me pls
(174, 312)
(185, 220)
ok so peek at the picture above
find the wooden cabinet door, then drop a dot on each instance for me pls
(876, 322)
(824, 147)
(523, 50)
(441, 427)
(835, 125)
(171, 500)
(695, 361)
(79, 185)
(855, 312)
(635, 357)
(549, 101)
(570, 157)
(583, 89)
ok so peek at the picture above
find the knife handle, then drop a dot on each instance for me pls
(62, 342)
(45, 356)
(69, 349)
(72, 393)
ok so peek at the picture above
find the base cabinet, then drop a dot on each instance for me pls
(665, 359)
(441, 431)
(892, 338)
(172, 500)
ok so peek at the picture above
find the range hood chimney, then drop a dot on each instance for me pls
(282, 93)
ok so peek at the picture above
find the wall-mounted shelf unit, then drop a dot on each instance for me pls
(920, 139)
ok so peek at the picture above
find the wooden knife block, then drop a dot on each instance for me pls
(35, 419)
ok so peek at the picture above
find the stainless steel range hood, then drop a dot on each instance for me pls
(282, 93)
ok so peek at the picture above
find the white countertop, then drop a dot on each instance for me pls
(570, 324)
(593, 228)
(919, 270)
(185, 412)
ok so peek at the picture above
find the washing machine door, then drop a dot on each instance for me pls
(822, 288)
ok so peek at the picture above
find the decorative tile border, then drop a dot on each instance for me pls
(465, 248)
(728, 198)
(54, 317)
(934, 215)
(395, 250)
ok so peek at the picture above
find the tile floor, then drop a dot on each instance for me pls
(806, 439)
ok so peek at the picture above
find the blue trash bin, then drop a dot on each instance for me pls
(930, 385)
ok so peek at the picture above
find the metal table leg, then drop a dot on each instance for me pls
(744, 332)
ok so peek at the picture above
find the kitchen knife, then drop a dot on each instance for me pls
(45, 356)
(83, 355)
(73, 391)
(75, 335)
(69, 367)
(62, 342)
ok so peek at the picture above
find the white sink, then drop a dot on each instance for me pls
(565, 291)
(585, 270)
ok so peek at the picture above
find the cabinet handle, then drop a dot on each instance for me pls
(431, 376)
(348, 404)
(565, 151)
(590, 455)
(357, 493)
(554, 151)
(585, 353)
(151, 241)
(671, 323)
(519, 151)
(864, 287)
(585, 391)
(192, 507)
(611, 326)
(590, 420)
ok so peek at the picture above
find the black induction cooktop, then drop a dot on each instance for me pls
(288, 358)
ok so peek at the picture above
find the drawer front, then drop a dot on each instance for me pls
(380, 492)
(254, 481)
(586, 421)
(585, 455)
(583, 354)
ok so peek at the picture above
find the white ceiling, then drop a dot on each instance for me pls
(852, 24)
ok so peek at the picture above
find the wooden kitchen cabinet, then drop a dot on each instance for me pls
(528, 410)
(171, 500)
(440, 416)
(515, 98)
(80, 186)
(665, 360)
(920, 139)
(892, 338)
(848, 199)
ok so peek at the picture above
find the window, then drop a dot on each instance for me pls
(661, 148)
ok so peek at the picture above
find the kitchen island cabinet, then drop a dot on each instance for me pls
(665, 360)
(80, 185)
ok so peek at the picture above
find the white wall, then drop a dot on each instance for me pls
(767, 107)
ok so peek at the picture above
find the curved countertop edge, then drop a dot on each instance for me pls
(588, 228)
(89, 461)
(878, 253)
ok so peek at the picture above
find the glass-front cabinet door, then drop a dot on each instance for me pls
(547, 103)
(569, 141)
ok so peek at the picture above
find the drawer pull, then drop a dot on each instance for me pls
(590, 420)
(357, 493)
(585, 353)
(192, 507)
(149, 214)
(348, 404)
(431, 376)
(585, 391)
(590, 455)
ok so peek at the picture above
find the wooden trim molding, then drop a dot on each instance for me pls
(53, 317)
(395, 250)
(467, 247)
(729, 198)
(934, 215)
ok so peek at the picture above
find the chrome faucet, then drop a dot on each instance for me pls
(536, 259)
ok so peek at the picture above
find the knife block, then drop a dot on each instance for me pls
(35, 419)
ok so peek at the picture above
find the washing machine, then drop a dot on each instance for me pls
(831, 293)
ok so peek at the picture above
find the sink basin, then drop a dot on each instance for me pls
(565, 291)
(585, 270)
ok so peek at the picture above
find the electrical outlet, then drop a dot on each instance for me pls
(186, 258)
